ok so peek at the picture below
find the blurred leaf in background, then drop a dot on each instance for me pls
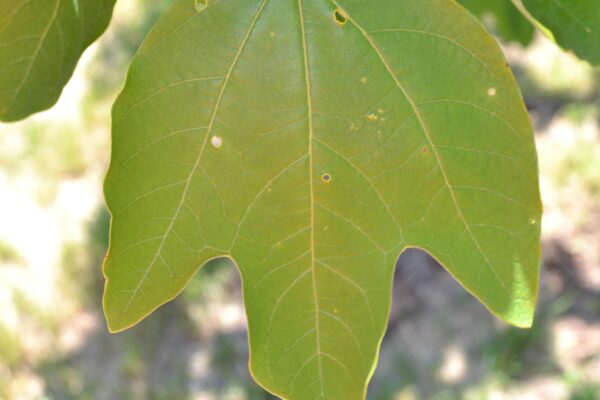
(503, 18)
(40, 44)
(575, 24)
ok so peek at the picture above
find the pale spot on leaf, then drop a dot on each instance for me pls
(216, 141)
(201, 4)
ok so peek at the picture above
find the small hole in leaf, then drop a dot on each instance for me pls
(201, 4)
(326, 178)
(532, 221)
(339, 17)
(491, 91)
(216, 141)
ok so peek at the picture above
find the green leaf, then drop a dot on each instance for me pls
(40, 44)
(508, 22)
(312, 141)
(575, 24)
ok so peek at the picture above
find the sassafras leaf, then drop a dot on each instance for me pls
(312, 141)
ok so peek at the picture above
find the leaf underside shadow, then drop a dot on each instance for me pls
(312, 141)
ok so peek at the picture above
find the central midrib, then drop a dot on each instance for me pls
(312, 195)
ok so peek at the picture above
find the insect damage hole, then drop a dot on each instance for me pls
(491, 92)
(339, 17)
(326, 178)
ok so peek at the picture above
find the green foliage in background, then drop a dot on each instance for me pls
(575, 24)
(40, 44)
(9, 254)
(299, 146)
(508, 21)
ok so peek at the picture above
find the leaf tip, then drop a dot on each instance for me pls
(114, 324)
(524, 321)
(116, 320)
(520, 316)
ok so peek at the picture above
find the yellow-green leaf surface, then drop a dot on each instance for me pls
(40, 44)
(508, 22)
(575, 24)
(312, 141)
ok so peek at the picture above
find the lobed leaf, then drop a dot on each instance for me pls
(40, 44)
(312, 141)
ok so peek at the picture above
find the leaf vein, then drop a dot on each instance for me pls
(425, 129)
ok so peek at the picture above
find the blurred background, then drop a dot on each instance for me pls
(440, 344)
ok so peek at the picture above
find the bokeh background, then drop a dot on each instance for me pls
(441, 343)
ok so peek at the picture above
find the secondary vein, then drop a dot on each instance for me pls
(427, 134)
(199, 158)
